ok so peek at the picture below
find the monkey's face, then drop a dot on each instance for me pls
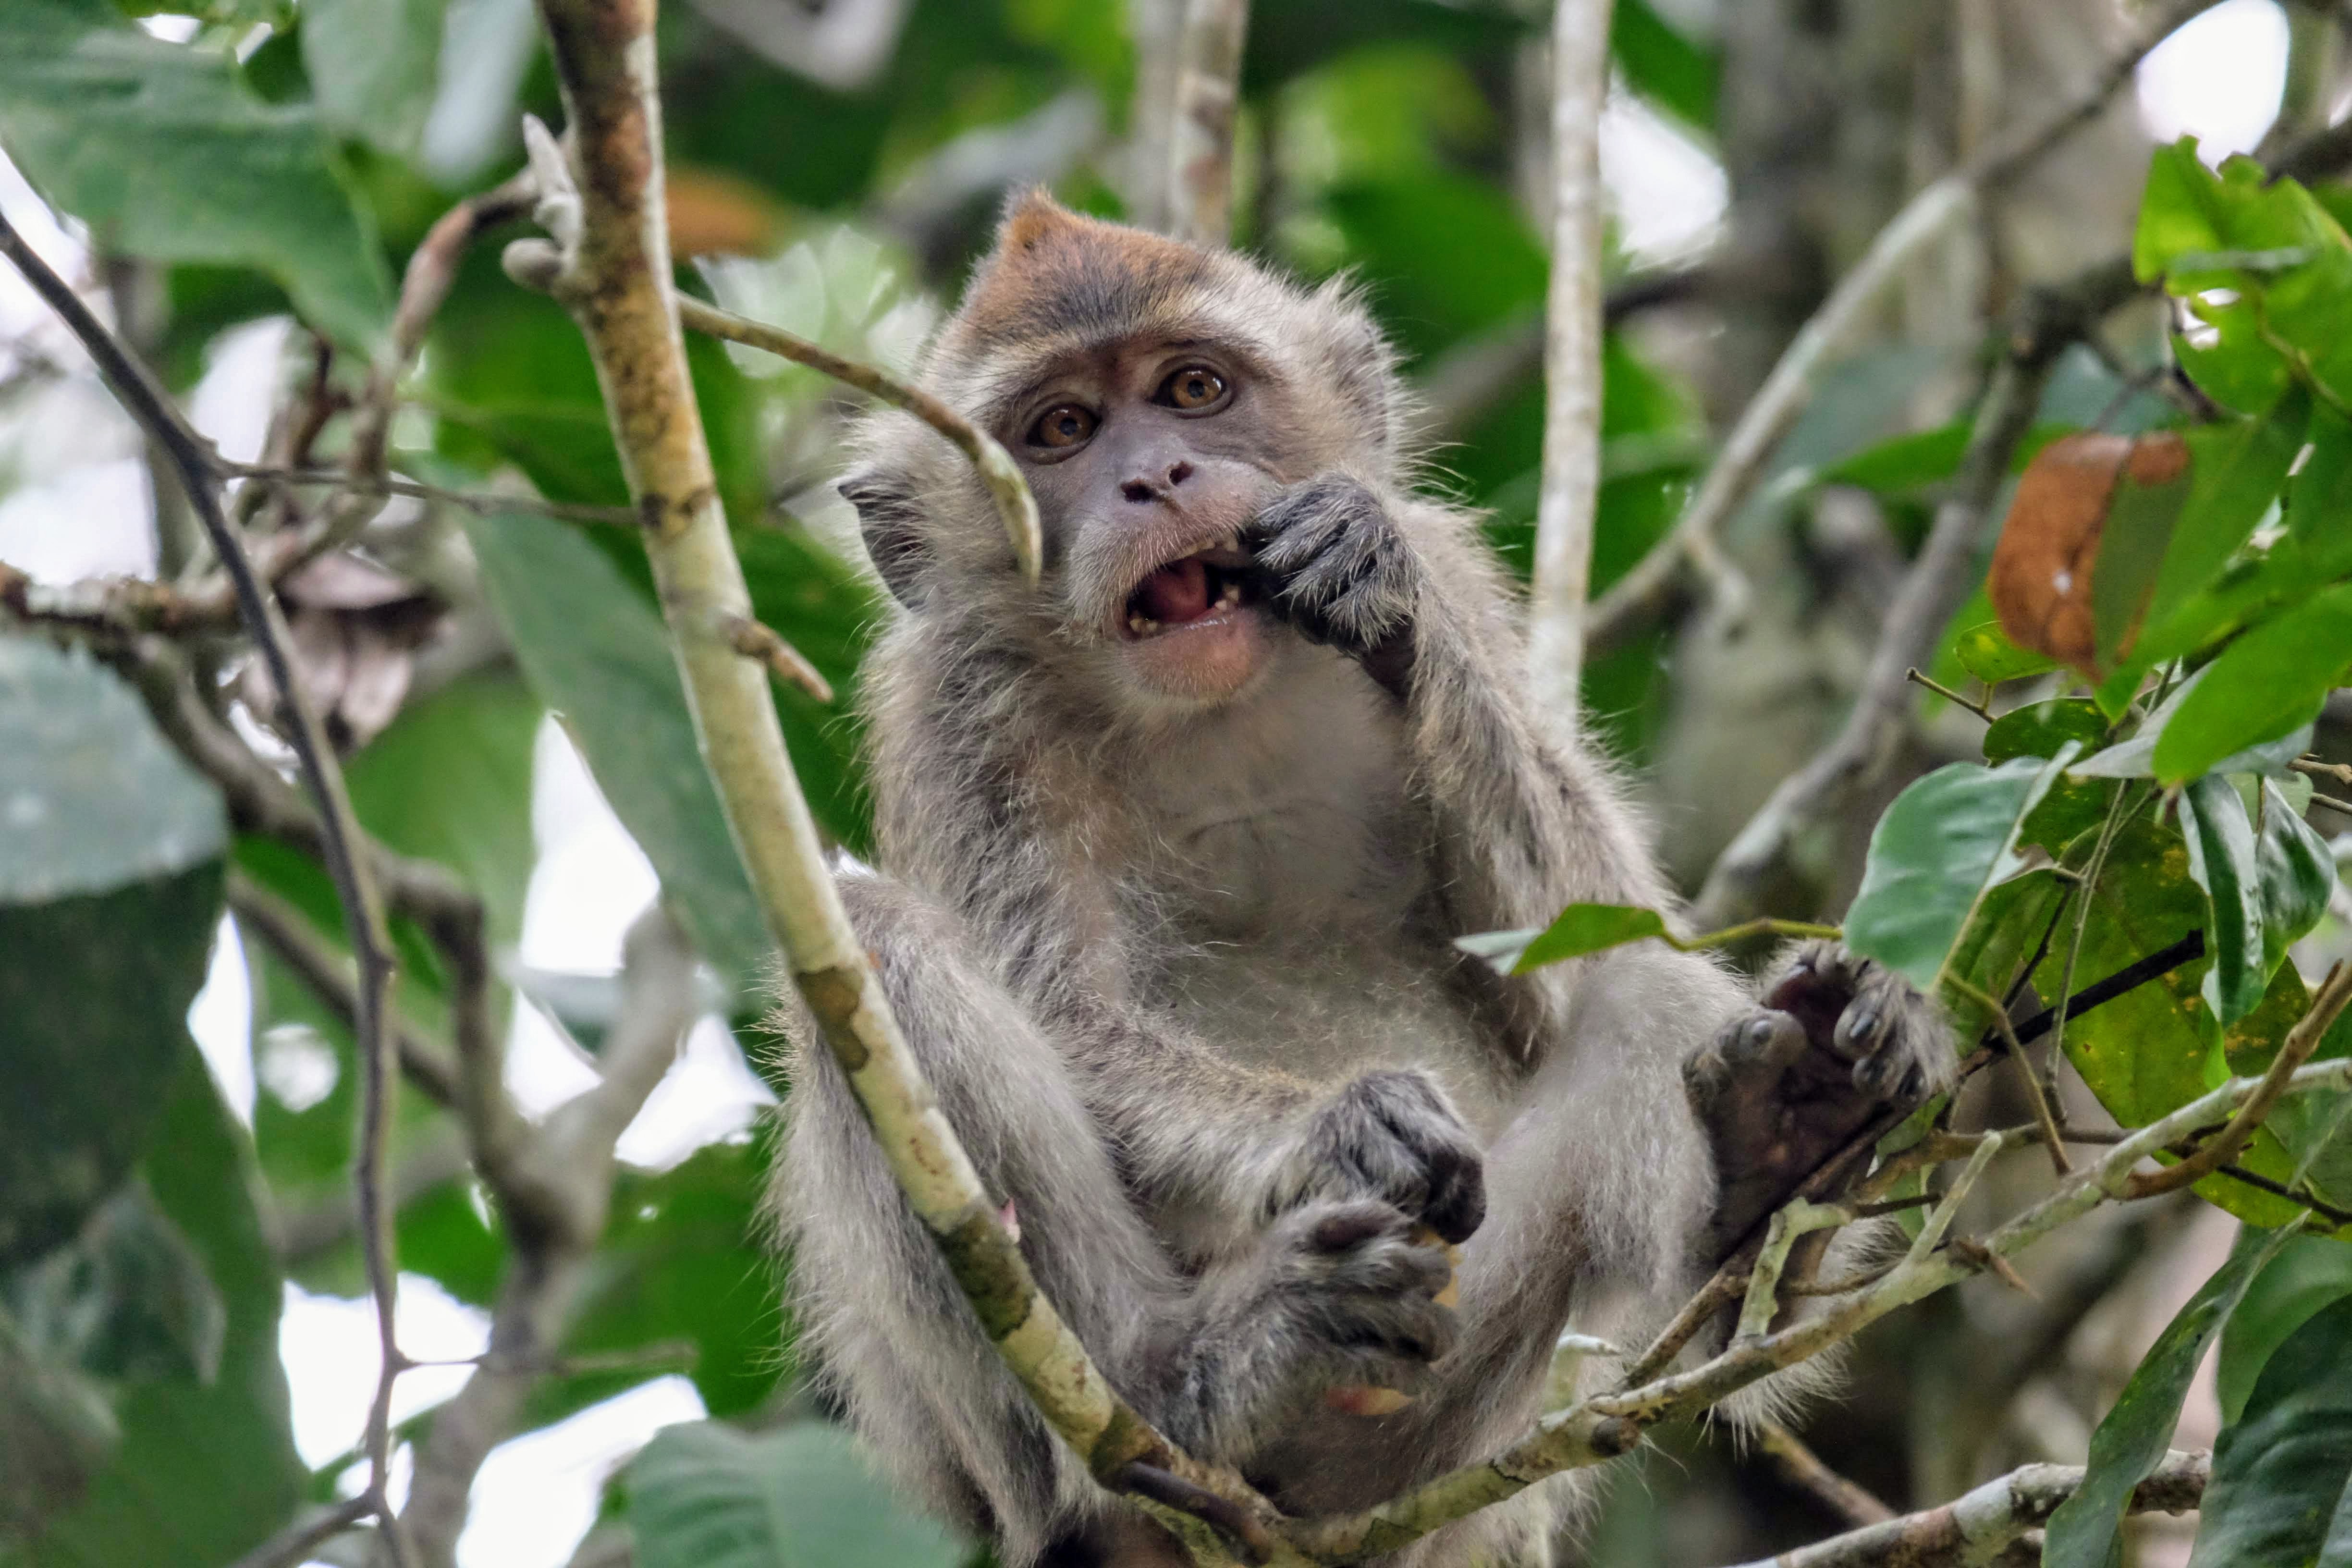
(1148, 459)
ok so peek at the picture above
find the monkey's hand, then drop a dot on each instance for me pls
(1392, 1138)
(1835, 1040)
(1331, 562)
(1338, 1307)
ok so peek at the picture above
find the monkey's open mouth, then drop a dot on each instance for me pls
(1190, 588)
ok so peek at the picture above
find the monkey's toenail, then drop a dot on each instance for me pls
(1760, 1032)
(1862, 1026)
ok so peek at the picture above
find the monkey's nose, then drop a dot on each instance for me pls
(1143, 488)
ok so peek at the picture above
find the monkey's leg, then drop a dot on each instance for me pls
(1336, 1291)
(888, 1328)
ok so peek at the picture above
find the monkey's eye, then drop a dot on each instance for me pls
(1192, 389)
(1064, 425)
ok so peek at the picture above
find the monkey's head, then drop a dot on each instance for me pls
(1158, 396)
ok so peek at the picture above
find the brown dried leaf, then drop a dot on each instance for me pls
(2041, 569)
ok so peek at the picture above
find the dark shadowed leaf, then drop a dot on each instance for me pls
(2040, 729)
(2133, 1438)
(160, 147)
(2221, 843)
(2279, 1470)
(707, 1495)
(207, 1467)
(1944, 842)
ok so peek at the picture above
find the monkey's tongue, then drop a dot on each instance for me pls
(1178, 592)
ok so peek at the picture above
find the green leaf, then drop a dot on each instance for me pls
(2157, 1046)
(2236, 472)
(206, 1468)
(110, 892)
(2268, 682)
(94, 797)
(127, 1297)
(2295, 872)
(2140, 522)
(2279, 1470)
(597, 654)
(2222, 859)
(374, 66)
(1445, 254)
(56, 1430)
(2309, 1273)
(1580, 929)
(1989, 654)
(1940, 846)
(707, 1495)
(1663, 65)
(2042, 728)
(673, 1267)
(159, 148)
(2082, 1533)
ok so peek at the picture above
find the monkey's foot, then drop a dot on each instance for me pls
(1835, 1039)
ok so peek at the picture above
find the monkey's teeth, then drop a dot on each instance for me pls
(1142, 625)
(1232, 595)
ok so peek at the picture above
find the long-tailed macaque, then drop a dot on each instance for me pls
(1173, 849)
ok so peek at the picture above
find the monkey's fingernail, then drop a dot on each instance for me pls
(1360, 1399)
(1759, 1033)
(1861, 1025)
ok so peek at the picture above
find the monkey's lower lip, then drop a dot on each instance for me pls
(1188, 591)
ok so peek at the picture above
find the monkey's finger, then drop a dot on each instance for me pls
(1362, 1399)
(1450, 1297)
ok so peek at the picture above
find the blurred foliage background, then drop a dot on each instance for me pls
(238, 187)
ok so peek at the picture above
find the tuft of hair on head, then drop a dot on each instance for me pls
(1053, 270)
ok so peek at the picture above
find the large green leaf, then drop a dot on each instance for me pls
(707, 1495)
(1663, 65)
(2157, 1046)
(597, 654)
(673, 1268)
(374, 66)
(2040, 729)
(2280, 1470)
(2268, 682)
(110, 891)
(2082, 1533)
(162, 150)
(1943, 843)
(2309, 1273)
(207, 1467)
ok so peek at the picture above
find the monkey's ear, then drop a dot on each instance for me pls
(887, 520)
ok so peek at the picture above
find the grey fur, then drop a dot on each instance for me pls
(1183, 976)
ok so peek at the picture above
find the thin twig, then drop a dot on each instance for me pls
(322, 777)
(1199, 145)
(1570, 487)
(480, 501)
(298, 1542)
(1976, 1527)
(1918, 677)
(2329, 1000)
(754, 639)
(1014, 505)
(1797, 1464)
(2314, 767)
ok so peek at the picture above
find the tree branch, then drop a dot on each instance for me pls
(1658, 578)
(1976, 1526)
(1200, 134)
(1798, 1464)
(1571, 447)
(609, 265)
(322, 777)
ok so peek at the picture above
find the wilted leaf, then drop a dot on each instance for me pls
(2279, 1470)
(160, 148)
(2085, 537)
(1940, 846)
(2133, 1438)
(707, 1495)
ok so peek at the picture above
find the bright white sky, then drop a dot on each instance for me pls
(81, 509)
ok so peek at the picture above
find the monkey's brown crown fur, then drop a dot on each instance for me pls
(1053, 271)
